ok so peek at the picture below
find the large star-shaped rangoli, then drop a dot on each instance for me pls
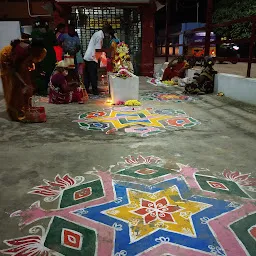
(149, 212)
(143, 217)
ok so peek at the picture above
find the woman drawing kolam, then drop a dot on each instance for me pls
(64, 89)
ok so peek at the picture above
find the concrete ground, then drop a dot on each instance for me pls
(225, 139)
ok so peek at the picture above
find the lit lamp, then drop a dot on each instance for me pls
(32, 68)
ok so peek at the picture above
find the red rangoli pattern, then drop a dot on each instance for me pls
(157, 210)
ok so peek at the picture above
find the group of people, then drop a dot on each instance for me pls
(87, 66)
(202, 83)
(52, 63)
(43, 66)
(54, 75)
(85, 69)
(65, 43)
(93, 56)
(66, 83)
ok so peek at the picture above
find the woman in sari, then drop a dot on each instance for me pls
(17, 61)
(65, 88)
(176, 68)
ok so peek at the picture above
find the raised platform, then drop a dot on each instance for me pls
(233, 86)
(236, 87)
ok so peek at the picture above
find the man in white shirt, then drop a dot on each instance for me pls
(92, 56)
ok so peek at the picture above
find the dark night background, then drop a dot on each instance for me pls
(181, 11)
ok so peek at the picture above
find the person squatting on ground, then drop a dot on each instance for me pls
(92, 56)
(203, 83)
(17, 61)
(176, 68)
(63, 90)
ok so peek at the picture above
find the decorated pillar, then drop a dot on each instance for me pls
(148, 40)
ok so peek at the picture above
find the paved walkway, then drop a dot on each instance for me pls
(173, 177)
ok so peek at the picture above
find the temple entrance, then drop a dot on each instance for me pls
(126, 22)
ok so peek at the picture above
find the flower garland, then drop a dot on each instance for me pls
(122, 73)
(122, 58)
(132, 103)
